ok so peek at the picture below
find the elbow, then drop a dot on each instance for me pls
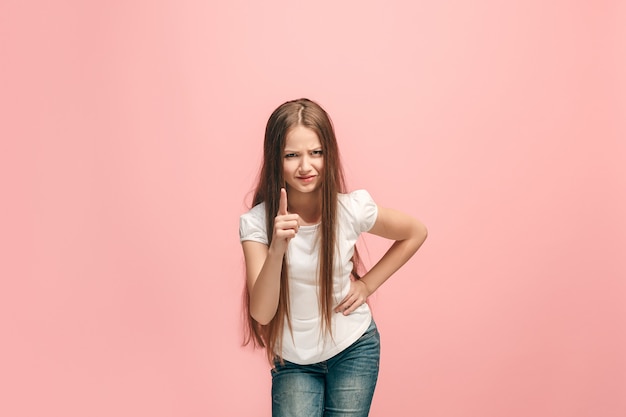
(420, 233)
(424, 232)
(262, 320)
(261, 317)
(262, 304)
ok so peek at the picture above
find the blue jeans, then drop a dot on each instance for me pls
(338, 387)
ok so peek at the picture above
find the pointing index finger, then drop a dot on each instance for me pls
(282, 205)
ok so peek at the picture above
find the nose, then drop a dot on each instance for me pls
(305, 164)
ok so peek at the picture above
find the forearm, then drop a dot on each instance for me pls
(397, 255)
(265, 292)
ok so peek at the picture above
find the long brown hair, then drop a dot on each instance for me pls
(301, 112)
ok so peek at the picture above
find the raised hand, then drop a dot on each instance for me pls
(285, 225)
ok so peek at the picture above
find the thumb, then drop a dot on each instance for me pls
(282, 205)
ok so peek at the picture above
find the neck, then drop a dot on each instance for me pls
(307, 205)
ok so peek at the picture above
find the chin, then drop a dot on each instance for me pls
(305, 189)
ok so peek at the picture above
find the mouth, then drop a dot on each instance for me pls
(307, 178)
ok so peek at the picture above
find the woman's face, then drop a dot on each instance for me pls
(303, 160)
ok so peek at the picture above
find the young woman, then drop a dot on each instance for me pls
(305, 300)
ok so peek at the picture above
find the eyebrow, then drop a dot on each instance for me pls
(312, 149)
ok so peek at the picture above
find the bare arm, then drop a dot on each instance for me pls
(408, 233)
(263, 268)
(264, 265)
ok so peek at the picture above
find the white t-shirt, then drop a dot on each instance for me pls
(356, 213)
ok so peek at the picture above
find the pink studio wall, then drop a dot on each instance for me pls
(130, 140)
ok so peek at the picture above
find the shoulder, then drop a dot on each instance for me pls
(355, 196)
(257, 211)
(355, 199)
(252, 224)
(359, 206)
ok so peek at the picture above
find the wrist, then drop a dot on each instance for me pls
(275, 253)
(368, 290)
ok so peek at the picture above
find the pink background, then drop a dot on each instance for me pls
(131, 134)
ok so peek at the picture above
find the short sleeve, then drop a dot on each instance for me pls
(365, 209)
(252, 225)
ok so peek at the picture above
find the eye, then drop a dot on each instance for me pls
(290, 155)
(317, 152)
